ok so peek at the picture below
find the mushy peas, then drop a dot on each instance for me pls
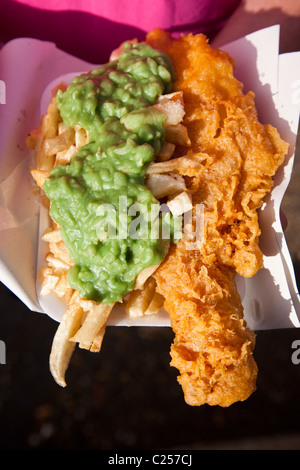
(100, 195)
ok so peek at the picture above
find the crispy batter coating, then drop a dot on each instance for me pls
(237, 156)
(212, 347)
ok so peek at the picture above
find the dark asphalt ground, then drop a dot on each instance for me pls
(127, 397)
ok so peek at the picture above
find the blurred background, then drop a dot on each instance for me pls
(127, 397)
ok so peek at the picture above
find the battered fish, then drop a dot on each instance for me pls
(237, 158)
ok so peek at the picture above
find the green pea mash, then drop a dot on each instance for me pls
(100, 195)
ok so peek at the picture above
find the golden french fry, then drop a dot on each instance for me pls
(144, 275)
(39, 157)
(60, 252)
(44, 272)
(180, 204)
(173, 96)
(62, 348)
(62, 288)
(49, 283)
(62, 127)
(56, 263)
(178, 134)
(64, 156)
(96, 318)
(48, 130)
(81, 137)
(52, 119)
(57, 143)
(86, 305)
(166, 152)
(185, 165)
(172, 107)
(52, 236)
(162, 185)
(97, 343)
(155, 305)
(39, 176)
(139, 300)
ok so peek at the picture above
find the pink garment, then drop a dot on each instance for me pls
(90, 29)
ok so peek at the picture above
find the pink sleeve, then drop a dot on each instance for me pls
(91, 28)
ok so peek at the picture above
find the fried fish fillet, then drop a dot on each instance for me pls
(237, 158)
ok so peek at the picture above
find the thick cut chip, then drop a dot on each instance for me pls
(48, 130)
(162, 185)
(39, 176)
(95, 320)
(62, 348)
(144, 275)
(59, 142)
(172, 106)
(181, 203)
(144, 301)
